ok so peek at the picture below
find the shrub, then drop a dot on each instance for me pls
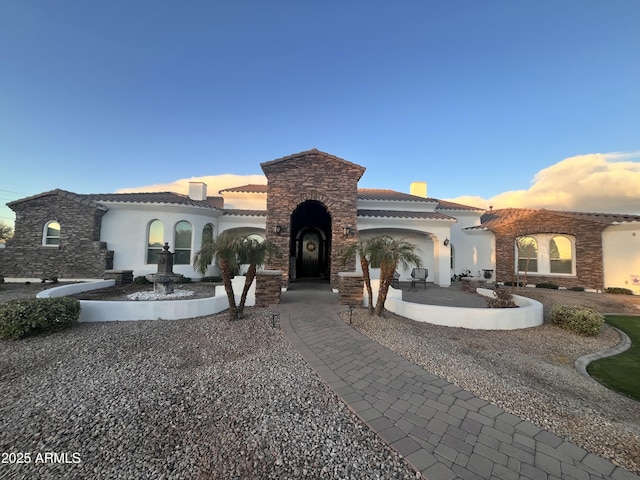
(184, 280)
(548, 285)
(503, 299)
(619, 291)
(576, 289)
(580, 320)
(141, 280)
(514, 284)
(19, 318)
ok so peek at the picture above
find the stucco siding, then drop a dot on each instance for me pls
(124, 228)
(621, 251)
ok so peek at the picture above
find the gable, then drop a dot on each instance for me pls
(311, 162)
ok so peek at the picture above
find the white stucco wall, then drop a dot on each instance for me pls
(109, 311)
(246, 223)
(621, 252)
(473, 250)
(427, 235)
(528, 314)
(124, 228)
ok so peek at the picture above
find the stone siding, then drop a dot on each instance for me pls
(588, 248)
(317, 176)
(80, 253)
(351, 289)
(268, 287)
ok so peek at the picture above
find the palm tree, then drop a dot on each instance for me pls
(255, 253)
(389, 253)
(361, 248)
(224, 249)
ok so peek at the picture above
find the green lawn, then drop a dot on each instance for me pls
(621, 372)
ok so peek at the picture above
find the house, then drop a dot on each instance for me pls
(311, 208)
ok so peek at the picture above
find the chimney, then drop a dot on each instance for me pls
(197, 190)
(419, 189)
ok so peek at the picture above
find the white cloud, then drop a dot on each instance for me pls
(596, 182)
(589, 183)
(215, 183)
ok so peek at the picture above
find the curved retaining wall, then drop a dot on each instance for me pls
(529, 314)
(108, 311)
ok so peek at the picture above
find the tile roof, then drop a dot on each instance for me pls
(446, 205)
(404, 214)
(391, 195)
(313, 151)
(155, 197)
(62, 193)
(252, 188)
(245, 213)
(507, 215)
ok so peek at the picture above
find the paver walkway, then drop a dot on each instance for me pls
(444, 432)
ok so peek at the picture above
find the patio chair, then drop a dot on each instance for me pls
(419, 275)
(395, 283)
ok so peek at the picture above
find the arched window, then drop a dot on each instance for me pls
(560, 255)
(527, 254)
(254, 236)
(51, 233)
(182, 250)
(207, 233)
(155, 236)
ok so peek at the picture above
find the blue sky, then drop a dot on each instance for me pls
(476, 98)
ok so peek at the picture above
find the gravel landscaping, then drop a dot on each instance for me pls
(199, 398)
(206, 398)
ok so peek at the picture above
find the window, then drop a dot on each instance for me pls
(52, 233)
(182, 250)
(560, 255)
(453, 256)
(207, 233)
(155, 235)
(527, 254)
(546, 254)
(256, 237)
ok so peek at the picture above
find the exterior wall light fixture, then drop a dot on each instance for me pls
(446, 242)
(277, 229)
(346, 230)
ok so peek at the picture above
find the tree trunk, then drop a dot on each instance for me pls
(386, 276)
(367, 281)
(249, 277)
(225, 270)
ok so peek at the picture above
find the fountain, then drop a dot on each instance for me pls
(164, 279)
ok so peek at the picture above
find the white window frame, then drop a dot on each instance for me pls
(148, 245)
(46, 237)
(177, 249)
(544, 255)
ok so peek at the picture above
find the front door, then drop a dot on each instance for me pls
(310, 241)
(310, 264)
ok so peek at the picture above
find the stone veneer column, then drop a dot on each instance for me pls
(351, 288)
(317, 176)
(268, 287)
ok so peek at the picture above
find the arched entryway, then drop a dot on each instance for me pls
(310, 241)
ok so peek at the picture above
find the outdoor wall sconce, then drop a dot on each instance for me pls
(346, 230)
(277, 229)
(446, 242)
